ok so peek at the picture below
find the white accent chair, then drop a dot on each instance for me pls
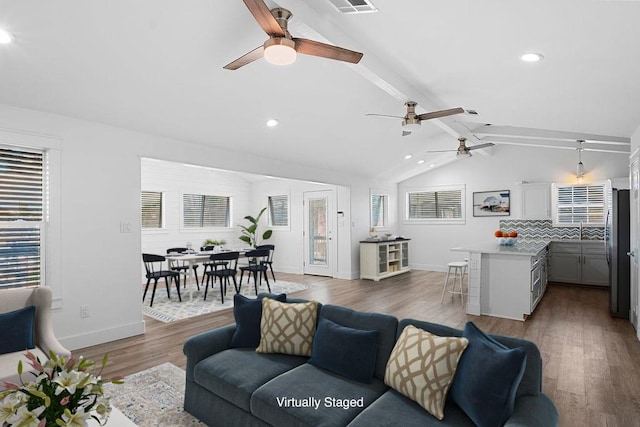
(43, 336)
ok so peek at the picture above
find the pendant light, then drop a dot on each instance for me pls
(580, 166)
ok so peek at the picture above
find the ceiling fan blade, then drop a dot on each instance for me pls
(310, 47)
(265, 19)
(245, 59)
(441, 151)
(440, 113)
(485, 145)
(385, 116)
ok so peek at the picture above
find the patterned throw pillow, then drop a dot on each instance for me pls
(287, 328)
(422, 366)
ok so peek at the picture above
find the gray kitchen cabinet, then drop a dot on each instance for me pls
(595, 269)
(581, 262)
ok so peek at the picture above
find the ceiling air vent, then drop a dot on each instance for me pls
(353, 6)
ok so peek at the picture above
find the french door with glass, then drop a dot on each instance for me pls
(318, 233)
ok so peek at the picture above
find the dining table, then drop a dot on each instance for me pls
(192, 258)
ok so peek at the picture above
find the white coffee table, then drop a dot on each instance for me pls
(116, 419)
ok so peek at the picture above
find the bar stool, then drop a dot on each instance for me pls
(459, 270)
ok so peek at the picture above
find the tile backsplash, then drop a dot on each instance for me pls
(543, 229)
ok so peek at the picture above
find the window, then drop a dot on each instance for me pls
(21, 217)
(151, 207)
(278, 211)
(580, 203)
(379, 204)
(441, 205)
(200, 211)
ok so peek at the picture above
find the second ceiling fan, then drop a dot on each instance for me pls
(411, 120)
(281, 48)
(464, 150)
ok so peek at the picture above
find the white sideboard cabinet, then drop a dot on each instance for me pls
(384, 258)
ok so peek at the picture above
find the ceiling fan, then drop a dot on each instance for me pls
(411, 120)
(463, 150)
(281, 48)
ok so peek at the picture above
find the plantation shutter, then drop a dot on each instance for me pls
(201, 211)
(435, 204)
(151, 202)
(584, 203)
(21, 217)
(278, 211)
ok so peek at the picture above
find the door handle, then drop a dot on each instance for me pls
(632, 254)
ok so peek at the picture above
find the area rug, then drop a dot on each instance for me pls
(167, 311)
(153, 398)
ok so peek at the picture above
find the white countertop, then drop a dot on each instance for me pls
(525, 247)
(522, 247)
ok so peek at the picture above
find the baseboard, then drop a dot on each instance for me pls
(347, 275)
(473, 309)
(105, 335)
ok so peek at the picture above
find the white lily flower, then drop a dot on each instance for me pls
(8, 407)
(67, 381)
(25, 418)
(79, 419)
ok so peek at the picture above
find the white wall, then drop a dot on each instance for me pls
(100, 184)
(635, 291)
(176, 179)
(288, 256)
(431, 244)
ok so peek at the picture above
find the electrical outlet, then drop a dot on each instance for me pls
(84, 311)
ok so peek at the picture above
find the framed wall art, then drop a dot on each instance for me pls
(492, 203)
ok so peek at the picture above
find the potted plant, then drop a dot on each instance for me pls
(63, 392)
(213, 242)
(250, 233)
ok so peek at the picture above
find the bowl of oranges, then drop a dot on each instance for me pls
(506, 238)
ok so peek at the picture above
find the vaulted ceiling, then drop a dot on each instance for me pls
(155, 66)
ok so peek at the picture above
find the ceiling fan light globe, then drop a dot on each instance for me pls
(411, 124)
(280, 51)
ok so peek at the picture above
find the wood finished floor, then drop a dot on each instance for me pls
(591, 360)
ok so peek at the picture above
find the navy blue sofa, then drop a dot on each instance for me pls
(239, 387)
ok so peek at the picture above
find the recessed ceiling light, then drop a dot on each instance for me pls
(531, 57)
(420, 162)
(272, 122)
(6, 37)
(408, 156)
(431, 165)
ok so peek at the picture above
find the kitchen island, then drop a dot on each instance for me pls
(506, 281)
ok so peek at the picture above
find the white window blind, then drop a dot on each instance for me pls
(202, 211)
(580, 203)
(378, 210)
(151, 209)
(435, 205)
(21, 217)
(278, 211)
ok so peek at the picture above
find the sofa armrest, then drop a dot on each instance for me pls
(201, 346)
(44, 336)
(533, 411)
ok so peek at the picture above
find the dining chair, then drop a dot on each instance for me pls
(153, 265)
(182, 266)
(257, 267)
(209, 264)
(229, 263)
(269, 261)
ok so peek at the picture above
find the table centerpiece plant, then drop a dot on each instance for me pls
(64, 392)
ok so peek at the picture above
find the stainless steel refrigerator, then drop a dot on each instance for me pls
(617, 249)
